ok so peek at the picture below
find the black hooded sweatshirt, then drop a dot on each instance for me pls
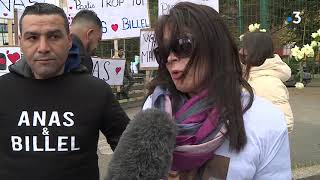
(49, 128)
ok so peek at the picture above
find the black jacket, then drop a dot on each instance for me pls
(49, 129)
(84, 56)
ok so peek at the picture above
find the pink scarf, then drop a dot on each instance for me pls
(200, 130)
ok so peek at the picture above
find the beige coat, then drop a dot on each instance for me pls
(267, 82)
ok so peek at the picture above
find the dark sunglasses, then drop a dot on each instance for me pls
(182, 48)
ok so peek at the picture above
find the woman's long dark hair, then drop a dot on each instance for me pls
(259, 47)
(214, 48)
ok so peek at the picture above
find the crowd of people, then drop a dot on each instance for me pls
(229, 104)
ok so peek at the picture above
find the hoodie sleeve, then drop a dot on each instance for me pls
(275, 91)
(285, 69)
(115, 120)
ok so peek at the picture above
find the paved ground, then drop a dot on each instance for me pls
(305, 140)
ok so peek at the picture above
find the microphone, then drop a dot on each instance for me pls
(144, 151)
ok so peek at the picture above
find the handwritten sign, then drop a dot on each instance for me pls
(71, 10)
(7, 6)
(6, 9)
(109, 70)
(147, 44)
(22, 4)
(70, 17)
(165, 5)
(8, 56)
(120, 18)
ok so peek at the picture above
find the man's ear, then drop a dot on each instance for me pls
(69, 40)
(90, 33)
(20, 40)
(19, 37)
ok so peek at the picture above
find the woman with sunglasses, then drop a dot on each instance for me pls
(266, 72)
(224, 132)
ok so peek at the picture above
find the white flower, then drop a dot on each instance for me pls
(314, 44)
(300, 55)
(254, 27)
(295, 51)
(257, 26)
(263, 30)
(318, 32)
(299, 85)
(251, 28)
(241, 37)
(307, 50)
(314, 35)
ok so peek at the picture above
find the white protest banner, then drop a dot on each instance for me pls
(109, 70)
(6, 9)
(71, 6)
(165, 5)
(120, 18)
(7, 6)
(71, 10)
(147, 44)
(8, 56)
(70, 17)
(22, 4)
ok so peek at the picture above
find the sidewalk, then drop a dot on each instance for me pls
(305, 141)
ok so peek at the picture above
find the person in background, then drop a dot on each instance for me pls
(134, 64)
(224, 132)
(50, 118)
(86, 30)
(121, 54)
(266, 72)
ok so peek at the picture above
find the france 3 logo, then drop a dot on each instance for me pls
(295, 18)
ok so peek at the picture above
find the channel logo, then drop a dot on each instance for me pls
(295, 19)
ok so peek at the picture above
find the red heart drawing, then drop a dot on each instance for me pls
(5, 14)
(2, 61)
(114, 27)
(70, 7)
(118, 69)
(14, 57)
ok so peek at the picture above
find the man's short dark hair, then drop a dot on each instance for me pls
(87, 16)
(44, 9)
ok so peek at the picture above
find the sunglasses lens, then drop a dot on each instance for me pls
(161, 57)
(183, 47)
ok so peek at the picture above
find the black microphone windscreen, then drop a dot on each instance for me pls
(144, 151)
